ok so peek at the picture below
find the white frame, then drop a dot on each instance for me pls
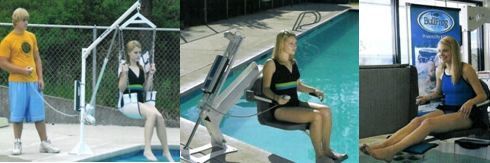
(82, 147)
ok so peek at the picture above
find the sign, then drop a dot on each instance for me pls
(428, 24)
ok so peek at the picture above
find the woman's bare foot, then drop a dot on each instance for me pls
(364, 149)
(149, 155)
(335, 156)
(168, 156)
(340, 156)
(383, 154)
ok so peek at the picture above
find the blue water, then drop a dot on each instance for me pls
(328, 60)
(138, 157)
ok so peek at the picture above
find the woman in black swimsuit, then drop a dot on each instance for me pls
(281, 83)
(132, 79)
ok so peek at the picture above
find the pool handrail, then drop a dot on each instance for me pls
(297, 24)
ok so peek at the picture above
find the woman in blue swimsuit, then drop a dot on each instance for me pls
(461, 90)
(281, 83)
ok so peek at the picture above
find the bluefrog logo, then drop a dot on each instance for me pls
(435, 21)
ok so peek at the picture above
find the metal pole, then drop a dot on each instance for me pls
(205, 12)
(227, 5)
(94, 62)
(396, 30)
(486, 39)
(109, 30)
(481, 54)
(244, 7)
(468, 48)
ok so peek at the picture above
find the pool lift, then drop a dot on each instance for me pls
(217, 100)
(87, 111)
(473, 17)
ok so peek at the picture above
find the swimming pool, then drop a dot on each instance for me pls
(328, 60)
(137, 156)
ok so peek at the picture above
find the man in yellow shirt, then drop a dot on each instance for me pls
(19, 55)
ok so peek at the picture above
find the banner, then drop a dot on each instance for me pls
(428, 24)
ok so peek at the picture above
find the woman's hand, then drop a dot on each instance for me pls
(319, 94)
(125, 68)
(421, 100)
(283, 99)
(152, 69)
(466, 108)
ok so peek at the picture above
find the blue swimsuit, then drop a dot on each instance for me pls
(455, 95)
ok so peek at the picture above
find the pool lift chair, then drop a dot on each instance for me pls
(218, 99)
(265, 116)
(418, 150)
(87, 110)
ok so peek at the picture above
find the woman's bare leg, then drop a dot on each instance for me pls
(150, 118)
(162, 135)
(304, 115)
(326, 126)
(437, 124)
(406, 130)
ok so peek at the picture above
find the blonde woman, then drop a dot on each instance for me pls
(132, 79)
(281, 81)
(458, 83)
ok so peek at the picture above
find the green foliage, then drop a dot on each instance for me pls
(165, 13)
(60, 48)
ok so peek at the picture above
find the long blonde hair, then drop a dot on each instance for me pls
(456, 64)
(280, 39)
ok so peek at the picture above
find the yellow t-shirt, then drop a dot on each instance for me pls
(20, 50)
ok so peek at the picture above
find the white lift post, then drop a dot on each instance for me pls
(137, 18)
(218, 100)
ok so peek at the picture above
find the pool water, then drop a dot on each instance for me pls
(137, 156)
(328, 60)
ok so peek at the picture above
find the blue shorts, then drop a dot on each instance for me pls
(25, 102)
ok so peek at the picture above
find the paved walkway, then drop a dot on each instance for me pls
(206, 41)
(101, 139)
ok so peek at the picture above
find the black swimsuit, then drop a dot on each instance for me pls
(284, 82)
(135, 85)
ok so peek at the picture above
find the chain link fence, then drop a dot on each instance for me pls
(202, 12)
(60, 49)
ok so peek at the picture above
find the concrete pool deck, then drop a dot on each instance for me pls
(101, 139)
(206, 41)
(245, 153)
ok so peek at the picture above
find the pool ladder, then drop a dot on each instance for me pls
(297, 25)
